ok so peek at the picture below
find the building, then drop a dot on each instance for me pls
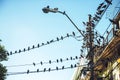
(106, 56)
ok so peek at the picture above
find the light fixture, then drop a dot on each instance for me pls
(48, 9)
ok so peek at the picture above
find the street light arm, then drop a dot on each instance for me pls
(71, 22)
(55, 10)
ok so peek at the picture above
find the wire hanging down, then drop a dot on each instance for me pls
(46, 70)
(43, 44)
(49, 62)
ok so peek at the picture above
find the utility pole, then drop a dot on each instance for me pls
(90, 44)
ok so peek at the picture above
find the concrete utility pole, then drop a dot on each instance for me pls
(89, 35)
(90, 44)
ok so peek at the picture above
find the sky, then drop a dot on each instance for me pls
(23, 24)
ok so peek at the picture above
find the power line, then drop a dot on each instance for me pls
(43, 44)
(46, 70)
(50, 61)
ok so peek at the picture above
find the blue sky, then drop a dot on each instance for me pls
(23, 24)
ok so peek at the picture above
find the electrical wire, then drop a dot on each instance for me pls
(43, 44)
(49, 62)
(46, 70)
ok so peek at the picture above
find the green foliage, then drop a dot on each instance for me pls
(3, 72)
(3, 57)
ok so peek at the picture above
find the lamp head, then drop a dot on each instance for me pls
(46, 9)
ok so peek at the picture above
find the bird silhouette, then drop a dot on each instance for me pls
(33, 63)
(108, 1)
(28, 71)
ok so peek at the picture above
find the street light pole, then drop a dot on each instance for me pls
(89, 34)
(55, 10)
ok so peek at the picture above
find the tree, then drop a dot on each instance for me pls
(3, 57)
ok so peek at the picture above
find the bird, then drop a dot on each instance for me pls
(48, 6)
(51, 41)
(44, 69)
(84, 23)
(33, 63)
(19, 51)
(67, 59)
(76, 57)
(24, 49)
(38, 45)
(81, 56)
(112, 21)
(28, 71)
(42, 44)
(61, 37)
(57, 39)
(62, 67)
(104, 6)
(41, 63)
(100, 6)
(57, 60)
(108, 1)
(67, 35)
(61, 60)
(49, 69)
(11, 53)
(15, 51)
(49, 61)
(75, 65)
(33, 47)
(37, 70)
(73, 33)
(71, 66)
(28, 48)
(56, 68)
(47, 42)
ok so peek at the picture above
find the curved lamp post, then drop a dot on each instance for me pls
(55, 10)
